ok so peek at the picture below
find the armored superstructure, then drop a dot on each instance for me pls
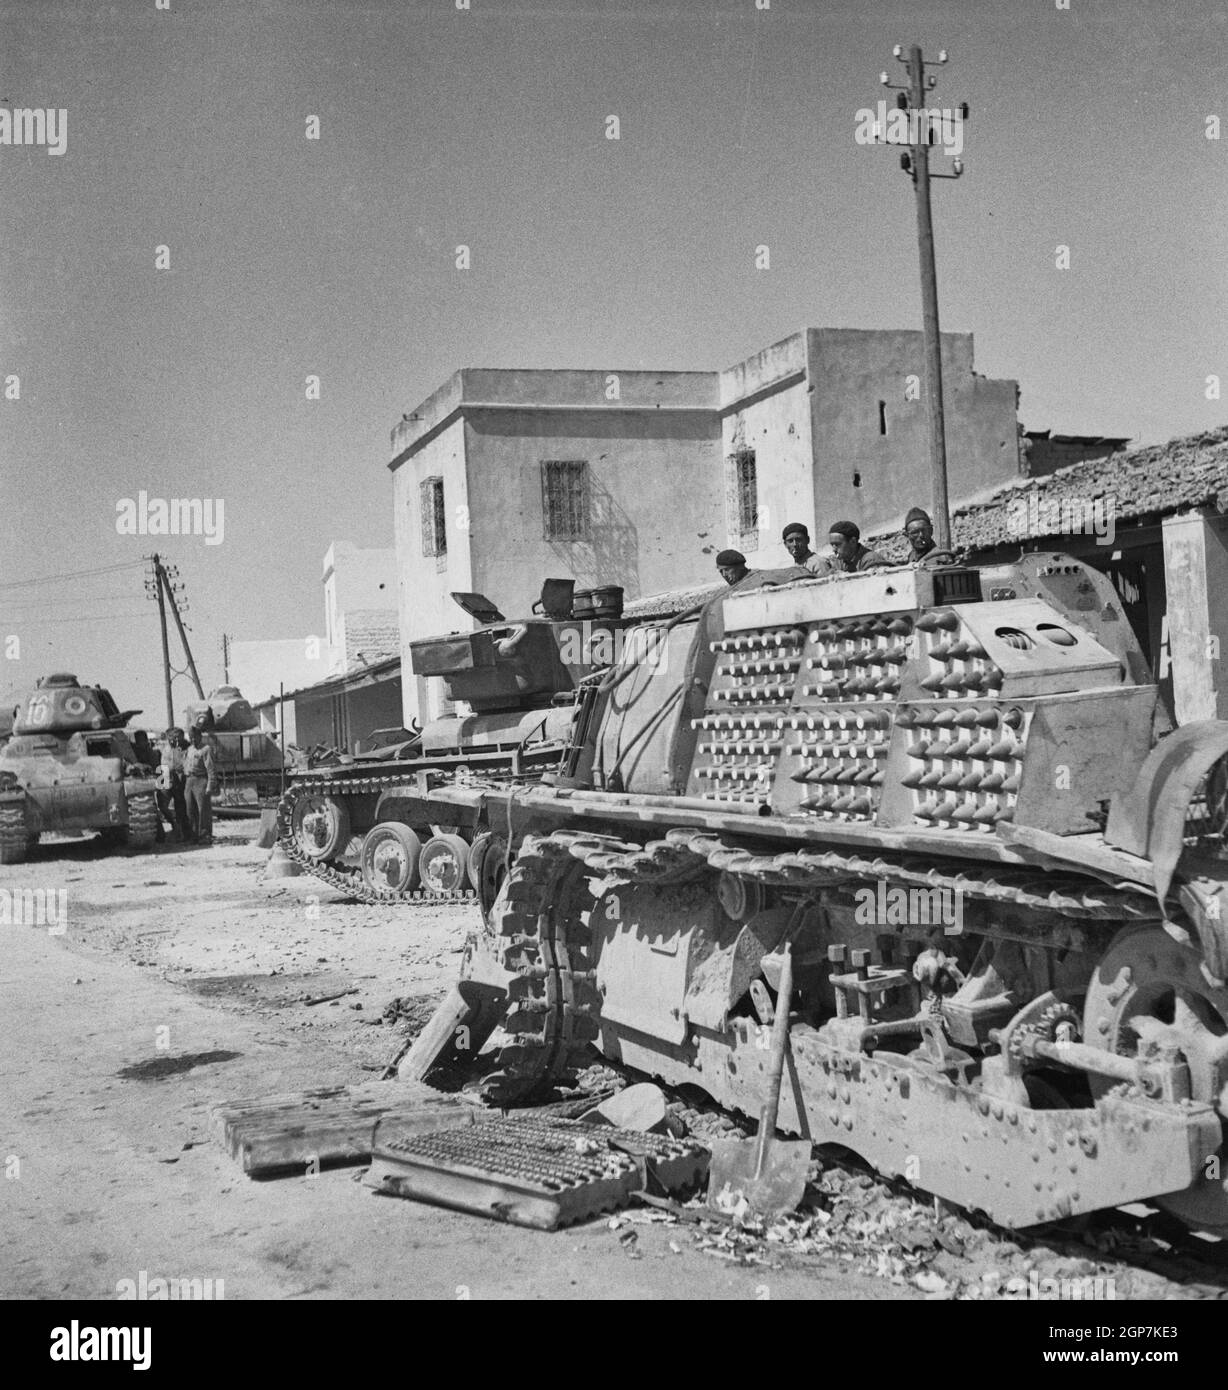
(954, 793)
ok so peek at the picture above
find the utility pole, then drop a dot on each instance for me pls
(166, 650)
(225, 658)
(921, 130)
(183, 636)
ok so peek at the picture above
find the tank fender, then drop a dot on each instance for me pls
(1149, 819)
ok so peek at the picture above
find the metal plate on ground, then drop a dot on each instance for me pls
(530, 1170)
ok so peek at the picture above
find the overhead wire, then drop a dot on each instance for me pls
(82, 618)
(75, 574)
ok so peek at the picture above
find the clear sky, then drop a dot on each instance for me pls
(290, 257)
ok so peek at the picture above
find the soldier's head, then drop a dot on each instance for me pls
(920, 531)
(195, 735)
(844, 537)
(797, 541)
(732, 565)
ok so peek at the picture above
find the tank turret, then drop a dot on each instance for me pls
(225, 711)
(61, 704)
(72, 765)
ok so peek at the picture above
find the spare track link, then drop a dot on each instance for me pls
(350, 881)
(684, 851)
(541, 937)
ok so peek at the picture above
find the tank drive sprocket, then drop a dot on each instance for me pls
(537, 938)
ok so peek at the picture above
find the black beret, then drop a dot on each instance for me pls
(795, 527)
(844, 528)
(728, 558)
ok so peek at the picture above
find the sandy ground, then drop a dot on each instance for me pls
(181, 981)
(179, 984)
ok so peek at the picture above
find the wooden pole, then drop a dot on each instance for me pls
(166, 649)
(929, 307)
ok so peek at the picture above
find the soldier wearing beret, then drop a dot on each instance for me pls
(797, 542)
(732, 565)
(848, 553)
(919, 530)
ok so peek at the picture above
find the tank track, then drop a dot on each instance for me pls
(143, 820)
(683, 851)
(552, 1002)
(350, 881)
(12, 829)
(540, 938)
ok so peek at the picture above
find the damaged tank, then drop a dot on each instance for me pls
(954, 798)
(72, 765)
(408, 823)
(247, 760)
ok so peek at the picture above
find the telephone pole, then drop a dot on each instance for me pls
(183, 636)
(158, 585)
(166, 650)
(921, 128)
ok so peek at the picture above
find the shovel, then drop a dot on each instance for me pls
(765, 1174)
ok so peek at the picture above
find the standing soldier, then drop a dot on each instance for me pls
(199, 784)
(170, 783)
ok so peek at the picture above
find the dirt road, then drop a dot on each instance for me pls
(178, 984)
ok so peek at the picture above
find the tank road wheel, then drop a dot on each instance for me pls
(444, 865)
(143, 820)
(390, 856)
(1149, 990)
(488, 869)
(320, 827)
(14, 843)
(535, 946)
(473, 862)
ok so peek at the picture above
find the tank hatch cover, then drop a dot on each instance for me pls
(480, 607)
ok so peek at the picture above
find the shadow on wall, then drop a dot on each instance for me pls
(611, 555)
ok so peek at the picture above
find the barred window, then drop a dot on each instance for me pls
(565, 499)
(434, 531)
(746, 483)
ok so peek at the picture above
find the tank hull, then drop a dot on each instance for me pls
(908, 780)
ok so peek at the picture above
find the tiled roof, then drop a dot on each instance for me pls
(1157, 480)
